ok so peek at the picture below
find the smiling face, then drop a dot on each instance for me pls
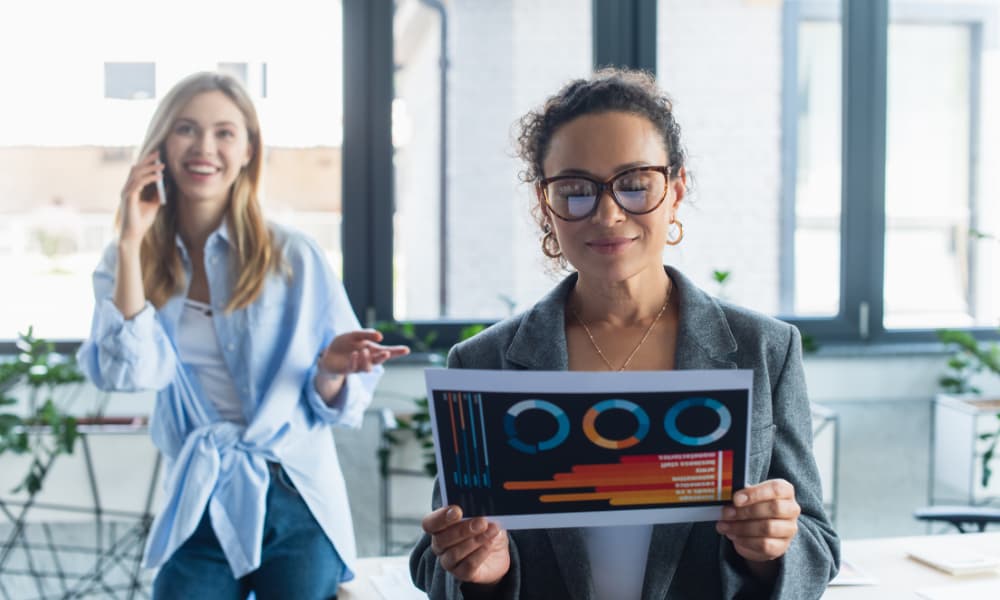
(206, 147)
(611, 245)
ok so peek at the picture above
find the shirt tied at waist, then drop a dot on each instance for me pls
(218, 469)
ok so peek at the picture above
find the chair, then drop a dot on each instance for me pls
(961, 516)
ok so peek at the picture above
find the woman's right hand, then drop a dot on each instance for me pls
(137, 215)
(473, 551)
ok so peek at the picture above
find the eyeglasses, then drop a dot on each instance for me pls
(637, 191)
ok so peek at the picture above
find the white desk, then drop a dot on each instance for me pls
(361, 587)
(900, 577)
(882, 558)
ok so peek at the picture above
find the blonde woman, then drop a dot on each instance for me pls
(249, 340)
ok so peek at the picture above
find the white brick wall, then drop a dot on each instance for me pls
(506, 56)
(720, 60)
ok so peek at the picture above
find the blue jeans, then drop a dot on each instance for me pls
(297, 559)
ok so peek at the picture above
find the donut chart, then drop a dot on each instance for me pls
(590, 424)
(670, 421)
(510, 426)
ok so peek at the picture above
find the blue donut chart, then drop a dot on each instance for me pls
(670, 421)
(510, 427)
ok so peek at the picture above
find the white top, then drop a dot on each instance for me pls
(618, 557)
(199, 349)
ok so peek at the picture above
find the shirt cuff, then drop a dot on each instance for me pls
(340, 410)
(123, 338)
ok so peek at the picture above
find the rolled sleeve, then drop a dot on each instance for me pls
(347, 408)
(127, 354)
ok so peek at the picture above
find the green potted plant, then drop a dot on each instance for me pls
(42, 429)
(967, 422)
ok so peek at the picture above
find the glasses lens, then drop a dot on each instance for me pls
(640, 191)
(572, 198)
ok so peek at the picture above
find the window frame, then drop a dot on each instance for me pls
(865, 29)
(624, 33)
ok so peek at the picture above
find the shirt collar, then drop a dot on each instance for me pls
(222, 232)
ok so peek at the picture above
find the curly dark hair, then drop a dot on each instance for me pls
(607, 90)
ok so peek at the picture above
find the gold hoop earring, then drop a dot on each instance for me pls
(550, 244)
(673, 241)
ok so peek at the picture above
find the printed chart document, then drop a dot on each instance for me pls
(567, 449)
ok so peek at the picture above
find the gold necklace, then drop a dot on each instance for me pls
(628, 360)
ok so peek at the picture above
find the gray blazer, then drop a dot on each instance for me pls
(686, 560)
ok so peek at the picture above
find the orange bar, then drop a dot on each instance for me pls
(639, 470)
(634, 498)
(638, 458)
(664, 486)
(595, 481)
(451, 410)
(664, 499)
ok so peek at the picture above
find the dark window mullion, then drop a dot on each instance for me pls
(625, 33)
(367, 157)
(865, 30)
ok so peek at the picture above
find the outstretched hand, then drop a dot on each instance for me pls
(357, 352)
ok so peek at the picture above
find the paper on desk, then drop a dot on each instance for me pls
(394, 584)
(956, 561)
(984, 589)
(850, 574)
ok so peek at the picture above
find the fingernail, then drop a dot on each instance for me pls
(451, 514)
(740, 499)
(728, 513)
(478, 525)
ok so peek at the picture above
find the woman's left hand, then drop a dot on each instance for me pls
(762, 521)
(357, 352)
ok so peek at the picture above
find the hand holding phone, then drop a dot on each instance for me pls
(160, 188)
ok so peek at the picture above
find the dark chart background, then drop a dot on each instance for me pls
(474, 476)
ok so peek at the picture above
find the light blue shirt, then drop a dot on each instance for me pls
(270, 349)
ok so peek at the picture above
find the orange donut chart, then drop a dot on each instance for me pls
(590, 427)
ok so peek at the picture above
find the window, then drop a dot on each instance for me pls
(129, 81)
(842, 155)
(853, 197)
(760, 118)
(235, 69)
(941, 197)
(66, 147)
(465, 246)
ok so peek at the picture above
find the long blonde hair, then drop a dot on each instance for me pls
(256, 253)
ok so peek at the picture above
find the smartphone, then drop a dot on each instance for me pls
(160, 188)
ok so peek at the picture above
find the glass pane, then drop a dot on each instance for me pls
(759, 104)
(465, 246)
(72, 120)
(942, 215)
(816, 250)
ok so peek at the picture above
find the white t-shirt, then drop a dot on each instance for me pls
(199, 349)
(618, 557)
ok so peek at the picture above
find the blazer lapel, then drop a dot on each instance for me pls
(570, 550)
(704, 340)
(540, 341)
(665, 548)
